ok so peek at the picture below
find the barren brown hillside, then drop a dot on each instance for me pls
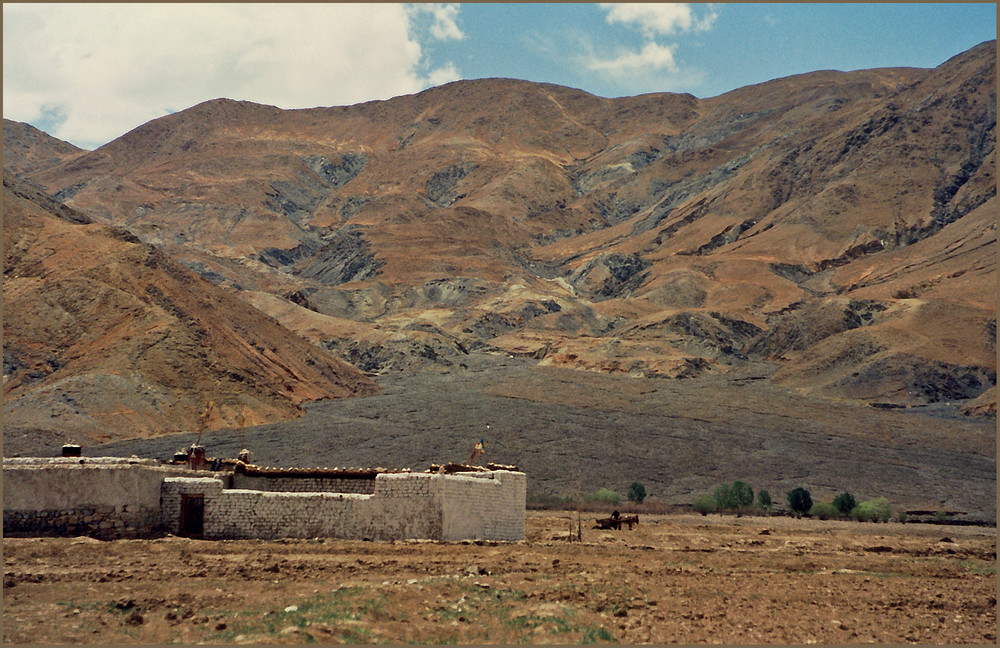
(105, 337)
(26, 149)
(833, 233)
(842, 224)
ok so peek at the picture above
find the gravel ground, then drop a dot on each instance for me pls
(573, 432)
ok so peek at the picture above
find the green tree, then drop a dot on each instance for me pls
(636, 493)
(875, 510)
(723, 497)
(742, 496)
(844, 503)
(764, 499)
(799, 500)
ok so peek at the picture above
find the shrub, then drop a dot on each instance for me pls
(845, 502)
(764, 500)
(723, 497)
(875, 510)
(742, 496)
(824, 511)
(704, 504)
(603, 495)
(636, 493)
(799, 500)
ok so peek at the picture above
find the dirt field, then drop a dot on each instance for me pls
(673, 579)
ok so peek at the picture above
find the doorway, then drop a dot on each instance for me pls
(192, 515)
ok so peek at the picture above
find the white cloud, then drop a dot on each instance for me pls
(654, 64)
(443, 75)
(651, 57)
(445, 27)
(661, 18)
(91, 72)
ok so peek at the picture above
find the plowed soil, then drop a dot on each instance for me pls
(673, 579)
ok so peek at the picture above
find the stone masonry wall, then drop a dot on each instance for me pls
(403, 505)
(484, 506)
(95, 497)
(304, 484)
(398, 508)
(130, 498)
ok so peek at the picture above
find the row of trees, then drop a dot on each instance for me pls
(843, 505)
(636, 493)
(738, 497)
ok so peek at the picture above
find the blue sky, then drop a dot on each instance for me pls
(88, 73)
(743, 43)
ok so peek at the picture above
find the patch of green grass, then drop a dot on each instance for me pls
(94, 606)
(511, 595)
(596, 635)
(436, 641)
(225, 636)
(524, 622)
(347, 604)
(982, 568)
(503, 610)
(352, 636)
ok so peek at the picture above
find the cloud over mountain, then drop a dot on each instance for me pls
(114, 64)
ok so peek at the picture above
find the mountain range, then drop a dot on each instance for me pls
(833, 233)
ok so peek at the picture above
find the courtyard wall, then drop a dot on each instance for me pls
(401, 506)
(102, 497)
(111, 497)
(304, 484)
(484, 505)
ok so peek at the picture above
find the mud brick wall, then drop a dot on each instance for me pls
(365, 486)
(100, 497)
(484, 506)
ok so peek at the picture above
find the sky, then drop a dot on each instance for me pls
(89, 73)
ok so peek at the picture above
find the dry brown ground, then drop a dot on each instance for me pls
(674, 579)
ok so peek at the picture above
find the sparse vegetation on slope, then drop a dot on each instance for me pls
(661, 235)
(124, 342)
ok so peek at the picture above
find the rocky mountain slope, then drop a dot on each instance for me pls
(839, 228)
(105, 337)
(27, 149)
